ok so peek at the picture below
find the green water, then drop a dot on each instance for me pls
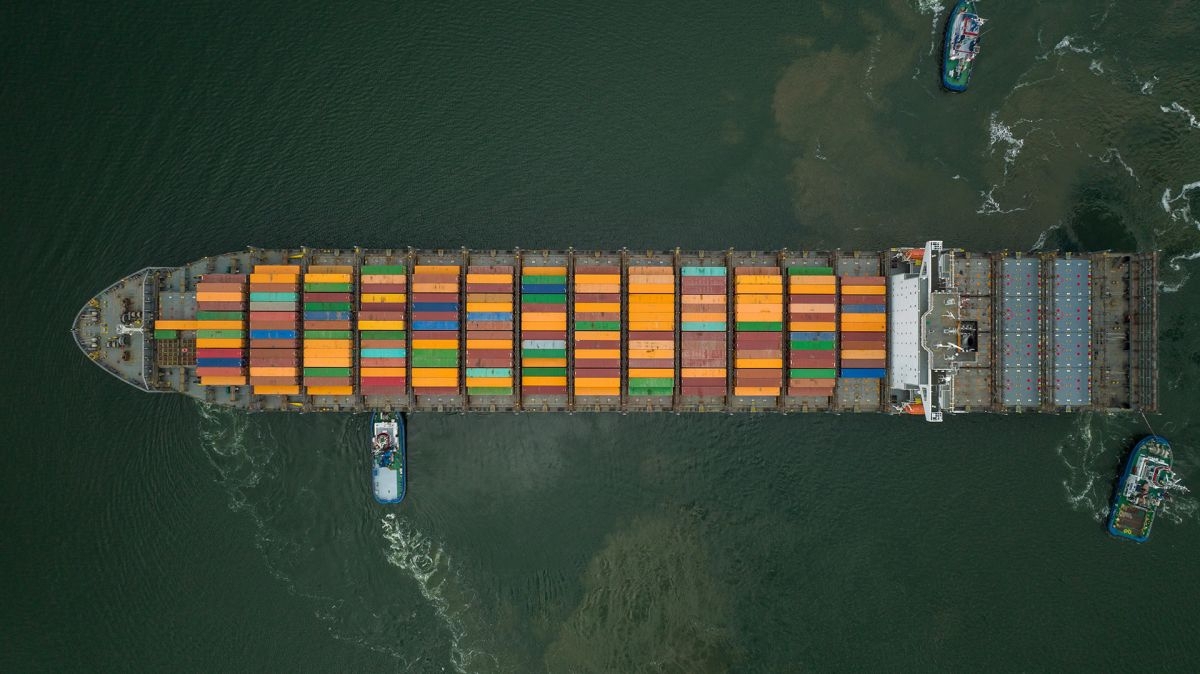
(145, 532)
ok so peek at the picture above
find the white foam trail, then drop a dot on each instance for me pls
(1096, 67)
(1176, 264)
(1183, 212)
(1148, 85)
(992, 207)
(934, 9)
(1041, 240)
(999, 132)
(1084, 483)
(428, 563)
(1175, 107)
(1113, 154)
(1064, 45)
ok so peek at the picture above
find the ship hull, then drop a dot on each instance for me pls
(1128, 520)
(951, 81)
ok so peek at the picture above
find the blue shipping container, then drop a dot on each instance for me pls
(218, 362)
(857, 373)
(272, 334)
(435, 325)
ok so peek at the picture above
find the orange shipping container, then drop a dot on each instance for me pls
(755, 390)
(330, 390)
(226, 380)
(812, 326)
(277, 390)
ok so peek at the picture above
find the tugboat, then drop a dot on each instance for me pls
(960, 45)
(1143, 489)
(387, 457)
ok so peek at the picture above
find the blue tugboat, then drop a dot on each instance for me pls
(960, 45)
(387, 457)
(1143, 488)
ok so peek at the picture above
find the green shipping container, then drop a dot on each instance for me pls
(796, 270)
(804, 345)
(538, 298)
(651, 391)
(759, 326)
(391, 269)
(384, 334)
(327, 306)
(219, 334)
(326, 372)
(543, 280)
(327, 287)
(651, 382)
(489, 391)
(544, 371)
(166, 334)
(543, 353)
(327, 334)
(219, 315)
(434, 358)
(597, 325)
(812, 373)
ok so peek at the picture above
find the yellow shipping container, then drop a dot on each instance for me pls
(435, 344)
(650, 288)
(812, 326)
(288, 390)
(270, 371)
(489, 381)
(330, 390)
(656, 372)
(590, 354)
(544, 271)
(489, 306)
(598, 335)
(220, 296)
(488, 344)
(755, 390)
(418, 287)
(863, 290)
(176, 324)
(327, 361)
(814, 290)
(689, 317)
(759, 363)
(219, 343)
(384, 278)
(277, 268)
(381, 325)
(584, 277)
(480, 277)
(545, 362)
(326, 278)
(543, 381)
(436, 269)
(222, 380)
(598, 288)
(706, 372)
(862, 318)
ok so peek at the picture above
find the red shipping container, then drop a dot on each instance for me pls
(543, 390)
(383, 381)
(864, 363)
(597, 297)
(603, 363)
(811, 317)
(490, 325)
(383, 362)
(595, 372)
(204, 286)
(703, 381)
(434, 334)
(534, 308)
(489, 334)
(274, 343)
(435, 297)
(326, 325)
(434, 277)
(435, 390)
(801, 298)
(864, 299)
(224, 278)
(864, 340)
(219, 371)
(435, 316)
(810, 392)
(596, 269)
(489, 362)
(543, 334)
(218, 353)
(327, 297)
(597, 316)
(394, 288)
(374, 315)
(272, 381)
(824, 359)
(704, 391)
(688, 361)
(381, 306)
(862, 280)
(221, 306)
(382, 344)
(652, 362)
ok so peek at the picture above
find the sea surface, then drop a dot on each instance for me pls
(151, 533)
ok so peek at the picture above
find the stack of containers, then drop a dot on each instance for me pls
(383, 345)
(274, 360)
(220, 329)
(758, 349)
(651, 348)
(703, 325)
(435, 316)
(597, 330)
(489, 330)
(812, 323)
(544, 330)
(864, 325)
(328, 341)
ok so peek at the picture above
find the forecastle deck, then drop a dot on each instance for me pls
(927, 331)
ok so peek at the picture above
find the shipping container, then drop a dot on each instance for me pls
(597, 322)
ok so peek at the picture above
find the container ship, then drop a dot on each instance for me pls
(924, 330)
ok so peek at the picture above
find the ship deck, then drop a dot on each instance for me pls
(1038, 344)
